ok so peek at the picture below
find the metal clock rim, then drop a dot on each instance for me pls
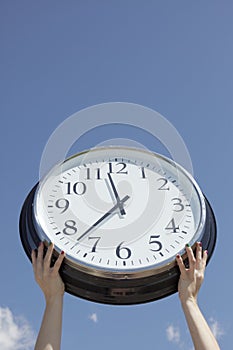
(104, 272)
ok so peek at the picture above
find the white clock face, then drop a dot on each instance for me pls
(119, 210)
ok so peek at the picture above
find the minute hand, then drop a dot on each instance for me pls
(120, 205)
(124, 199)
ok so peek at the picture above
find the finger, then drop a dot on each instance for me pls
(205, 256)
(39, 259)
(191, 257)
(48, 256)
(40, 252)
(180, 263)
(58, 262)
(33, 256)
(199, 252)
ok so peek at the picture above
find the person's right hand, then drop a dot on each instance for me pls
(48, 277)
(191, 278)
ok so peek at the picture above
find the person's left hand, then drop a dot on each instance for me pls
(191, 278)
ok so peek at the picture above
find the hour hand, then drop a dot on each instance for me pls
(119, 202)
(104, 217)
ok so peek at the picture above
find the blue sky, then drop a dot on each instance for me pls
(59, 57)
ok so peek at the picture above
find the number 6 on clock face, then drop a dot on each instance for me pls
(120, 214)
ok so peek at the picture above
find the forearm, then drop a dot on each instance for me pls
(49, 337)
(203, 338)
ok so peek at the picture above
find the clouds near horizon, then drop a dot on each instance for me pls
(15, 332)
(174, 334)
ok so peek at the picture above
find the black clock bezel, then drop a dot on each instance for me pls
(123, 291)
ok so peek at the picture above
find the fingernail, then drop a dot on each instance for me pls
(187, 245)
(178, 256)
(62, 252)
(41, 243)
(206, 251)
(200, 244)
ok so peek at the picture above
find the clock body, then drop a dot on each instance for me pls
(121, 215)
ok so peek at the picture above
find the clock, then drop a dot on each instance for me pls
(121, 215)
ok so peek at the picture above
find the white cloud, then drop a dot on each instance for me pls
(15, 332)
(173, 334)
(216, 328)
(93, 317)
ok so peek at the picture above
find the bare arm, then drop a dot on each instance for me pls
(49, 280)
(188, 288)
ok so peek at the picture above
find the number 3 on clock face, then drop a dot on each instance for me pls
(119, 214)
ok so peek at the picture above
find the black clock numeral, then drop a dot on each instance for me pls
(89, 175)
(164, 185)
(178, 204)
(143, 172)
(70, 228)
(95, 243)
(62, 203)
(78, 188)
(98, 174)
(120, 170)
(123, 252)
(172, 226)
(157, 244)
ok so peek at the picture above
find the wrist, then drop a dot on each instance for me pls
(54, 299)
(188, 301)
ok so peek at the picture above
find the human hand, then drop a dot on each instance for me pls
(191, 278)
(47, 277)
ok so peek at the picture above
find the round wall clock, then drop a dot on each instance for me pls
(121, 215)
